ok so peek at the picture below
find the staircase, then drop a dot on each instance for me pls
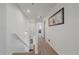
(31, 52)
(22, 43)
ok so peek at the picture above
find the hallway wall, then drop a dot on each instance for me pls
(64, 38)
(2, 28)
(16, 23)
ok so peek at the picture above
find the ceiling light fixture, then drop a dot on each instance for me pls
(28, 11)
(33, 3)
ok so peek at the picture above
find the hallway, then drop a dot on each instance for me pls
(39, 29)
(45, 49)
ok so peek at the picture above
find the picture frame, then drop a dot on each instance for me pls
(57, 18)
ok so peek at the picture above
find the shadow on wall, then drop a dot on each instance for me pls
(17, 45)
(16, 37)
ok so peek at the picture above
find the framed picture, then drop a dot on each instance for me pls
(57, 18)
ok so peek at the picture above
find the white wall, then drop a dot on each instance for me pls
(2, 29)
(16, 23)
(64, 38)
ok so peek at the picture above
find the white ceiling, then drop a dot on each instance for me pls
(36, 9)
